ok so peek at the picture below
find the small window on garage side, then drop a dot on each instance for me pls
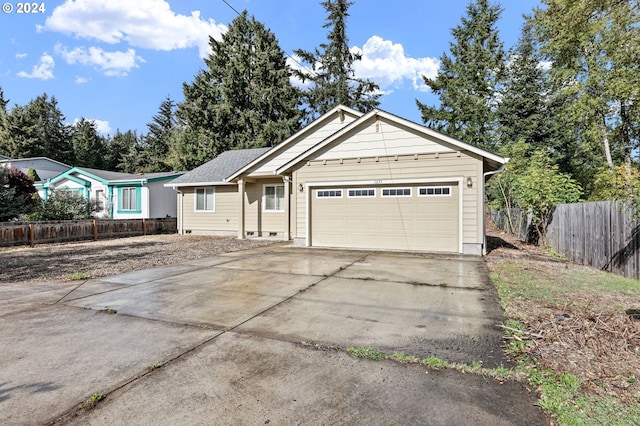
(329, 193)
(205, 199)
(361, 193)
(396, 192)
(435, 191)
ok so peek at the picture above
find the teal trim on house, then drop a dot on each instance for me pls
(138, 206)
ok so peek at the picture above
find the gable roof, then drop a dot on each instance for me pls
(300, 133)
(108, 177)
(5, 159)
(219, 169)
(493, 159)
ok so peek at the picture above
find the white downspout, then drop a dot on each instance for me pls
(180, 212)
(484, 225)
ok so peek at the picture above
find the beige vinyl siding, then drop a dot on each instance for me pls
(258, 221)
(440, 166)
(380, 138)
(224, 219)
(295, 148)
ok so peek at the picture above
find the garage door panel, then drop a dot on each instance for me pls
(427, 223)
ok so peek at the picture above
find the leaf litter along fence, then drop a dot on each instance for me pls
(32, 233)
(602, 234)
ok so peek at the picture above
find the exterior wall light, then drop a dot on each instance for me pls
(469, 182)
(300, 187)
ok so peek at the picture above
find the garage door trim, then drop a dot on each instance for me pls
(310, 185)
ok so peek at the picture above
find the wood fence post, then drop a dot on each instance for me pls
(95, 230)
(144, 227)
(32, 235)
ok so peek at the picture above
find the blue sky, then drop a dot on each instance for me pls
(115, 61)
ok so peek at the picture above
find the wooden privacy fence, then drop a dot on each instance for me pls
(24, 233)
(602, 234)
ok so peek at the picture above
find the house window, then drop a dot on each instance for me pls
(361, 193)
(396, 192)
(274, 198)
(129, 198)
(329, 193)
(435, 191)
(205, 199)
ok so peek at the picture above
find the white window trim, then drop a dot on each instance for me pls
(330, 189)
(264, 197)
(450, 194)
(195, 200)
(396, 188)
(361, 196)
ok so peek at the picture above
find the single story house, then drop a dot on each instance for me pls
(348, 179)
(121, 195)
(45, 167)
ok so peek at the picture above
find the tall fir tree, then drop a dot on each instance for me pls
(243, 99)
(88, 146)
(156, 141)
(38, 130)
(5, 135)
(333, 80)
(122, 154)
(469, 78)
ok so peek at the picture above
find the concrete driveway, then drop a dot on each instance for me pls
(258, 337)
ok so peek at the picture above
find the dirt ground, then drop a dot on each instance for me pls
(55, 262)
(585, 333)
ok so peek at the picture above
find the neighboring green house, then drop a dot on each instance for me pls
(122, 195)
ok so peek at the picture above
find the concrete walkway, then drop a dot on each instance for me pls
(256, 337)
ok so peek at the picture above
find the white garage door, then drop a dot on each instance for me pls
(398, 217)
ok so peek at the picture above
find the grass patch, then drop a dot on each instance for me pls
(434, 363)
(77, 276)
(405, 359)
(94, 399)
(367, 353)
(155, 366)
(531, 290)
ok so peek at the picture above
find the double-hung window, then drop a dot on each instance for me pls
(205, 199)
(274, 198)
(129, 198)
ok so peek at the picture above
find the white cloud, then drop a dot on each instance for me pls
(111, 63)
(102, 126)
(43, 70)
(545, 65)
(295, 63)
(81, 80)
(385, 63)
(149, 24)
(21, 55)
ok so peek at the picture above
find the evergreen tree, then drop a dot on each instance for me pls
(38, 130)
(5, 136)
(243, 99)
(157, 140)
(122, 153)
(88, 146)
(333, 80)
(469, 79)
(522, 112)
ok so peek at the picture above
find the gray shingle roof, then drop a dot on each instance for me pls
(220, 167)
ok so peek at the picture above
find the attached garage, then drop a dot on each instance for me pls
(416, 216)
